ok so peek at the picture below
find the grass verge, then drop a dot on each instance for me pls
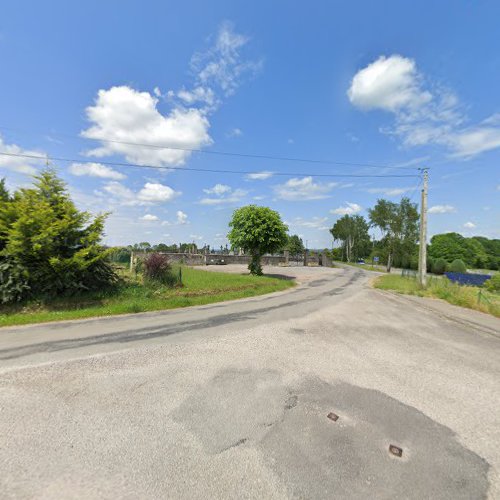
(464, 296)
(200, 287)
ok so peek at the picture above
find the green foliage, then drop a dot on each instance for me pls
(120, 255)
(13, 282)
(399, 225)
(295, 245)
(439, 266)
(258, 230)
(457, 266)
(352, 232)
(493, 284)
(49, 246)
(157, 270)
(472, 251)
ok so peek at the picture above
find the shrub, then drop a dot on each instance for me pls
(457, 266)
(493, 284)
(439, 266)
(158, 270)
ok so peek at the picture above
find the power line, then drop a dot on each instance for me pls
(211, 170)
(234, 154)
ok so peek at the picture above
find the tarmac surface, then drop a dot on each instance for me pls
(297, 394)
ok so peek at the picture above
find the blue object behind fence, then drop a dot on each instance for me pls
(468, 279)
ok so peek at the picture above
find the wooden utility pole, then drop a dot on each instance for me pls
(422, 253)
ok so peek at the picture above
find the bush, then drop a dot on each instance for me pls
(457, 266)
(439, 266)
(493, 284)
(158, 270)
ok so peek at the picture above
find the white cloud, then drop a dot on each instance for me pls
(390, 191)
(442, 209)
(469, 225)
(348, 209)
(259, 176)
(218, 189)
(222, 65)
(303, 189)
(424, 113)
(126, 115)
(149, 217)
(231, 196)
(16, 163)
(155, 192)
(95, 170)
(195, 237)
(152, 192)
(389, 83)
(182, 217)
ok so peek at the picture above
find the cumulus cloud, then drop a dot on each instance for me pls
(151, 193)
(389, 83)
(390, 191)
(442, 209)
(304, 189)
(259, 176)
(149, 217)
(17, 164)
(123, 118)
(125, 115)
(348, 209)
(182, 217)
(424, 113)
(469, 225)
(218, 189)
(95, 170)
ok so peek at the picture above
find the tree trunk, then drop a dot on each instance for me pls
(389, 262)
(255, 267)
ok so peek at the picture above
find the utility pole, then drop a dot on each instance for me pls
(422, 253)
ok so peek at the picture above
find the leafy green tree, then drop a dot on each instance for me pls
(51, 245)
(295, 245)
(399, 225)
(258, 230)
(352, 232)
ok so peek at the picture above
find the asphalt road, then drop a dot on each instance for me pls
(231, 400)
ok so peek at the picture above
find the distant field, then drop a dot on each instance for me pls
(200, 287)
(464, 296)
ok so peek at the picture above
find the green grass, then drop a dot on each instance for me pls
(200, 287)
(464, 296)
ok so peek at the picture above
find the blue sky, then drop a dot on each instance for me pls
(407, 84)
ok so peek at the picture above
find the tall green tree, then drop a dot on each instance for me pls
(295, 245)
(399, 225)
(258, 230)
(50, 243)
(352, 232)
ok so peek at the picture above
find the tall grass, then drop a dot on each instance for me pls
(465, 296)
